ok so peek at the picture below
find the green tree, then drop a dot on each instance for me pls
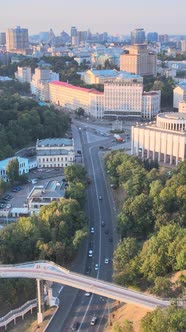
(12, 170)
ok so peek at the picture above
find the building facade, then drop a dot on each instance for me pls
(17, 39)
(163, 140)
(40, 80)
(179, 94)
(138, 36)
(55, 152)
(151, 102)
(23, 74)
(139, 61)
(122, 97)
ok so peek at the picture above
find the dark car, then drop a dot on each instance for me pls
(75, 326)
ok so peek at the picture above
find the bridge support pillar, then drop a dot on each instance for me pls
(40, 315)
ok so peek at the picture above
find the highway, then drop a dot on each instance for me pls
(50, 271)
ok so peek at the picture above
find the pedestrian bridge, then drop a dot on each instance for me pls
(50, 271)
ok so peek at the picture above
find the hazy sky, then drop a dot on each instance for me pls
(113, 16)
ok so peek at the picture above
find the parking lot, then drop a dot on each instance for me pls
(17, 196)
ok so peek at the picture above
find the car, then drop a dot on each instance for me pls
(106, 260)
(101, 147)
(87, 294)
(90, 253)
(100, 198)
(93, 320)
(102, 223)
(96, 267)
(107, 231)
(75, 326)
(92, 230)
(111, 239)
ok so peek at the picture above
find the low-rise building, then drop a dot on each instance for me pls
(163, 140)
(55, 152)
(43, 196)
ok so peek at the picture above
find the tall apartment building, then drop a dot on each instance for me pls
(179, 94)
(23, 74)
(2, 38)
(152, 37)
(139, 61)
(138, 36)
(183, 45)
(40, 80)
(17, 39)
(74, 36)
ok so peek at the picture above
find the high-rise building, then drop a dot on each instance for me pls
(163, 39)
(183, 45)
(17, 39)
(74, 36)
(138, 36)
(152, 37)
(2, 38)
(139, 61)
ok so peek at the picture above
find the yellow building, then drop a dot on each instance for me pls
(139, 61)
(73, 97)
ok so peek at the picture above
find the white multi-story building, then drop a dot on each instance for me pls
(151, 104)
(122, 97)
(179, 94)
(73, 97)
(55, 152)
(163, 140)
(40, 80)
(23, 74)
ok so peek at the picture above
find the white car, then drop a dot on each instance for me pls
(90, 253)
(92, 230)
(96, 267)
(87, 294)
(106, 260)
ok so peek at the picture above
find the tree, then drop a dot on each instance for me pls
(126, 250)
(172, 319)
(80, 112)
(12, 170)
(162, 287)
(125, 326)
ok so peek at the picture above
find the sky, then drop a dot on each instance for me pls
(112, 16)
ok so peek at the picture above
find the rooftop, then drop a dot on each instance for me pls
(47, 142)
(70, 86)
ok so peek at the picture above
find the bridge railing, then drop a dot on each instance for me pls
(19, 312)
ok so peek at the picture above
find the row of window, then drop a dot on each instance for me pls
(40, 160)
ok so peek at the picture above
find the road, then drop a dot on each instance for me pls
(88, 138)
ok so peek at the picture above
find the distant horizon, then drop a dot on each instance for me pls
(115, 18)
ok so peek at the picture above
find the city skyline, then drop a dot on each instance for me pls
(115, 18)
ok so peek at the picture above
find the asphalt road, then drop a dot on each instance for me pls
(74, 305)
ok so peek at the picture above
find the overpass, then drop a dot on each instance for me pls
(45, 270)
